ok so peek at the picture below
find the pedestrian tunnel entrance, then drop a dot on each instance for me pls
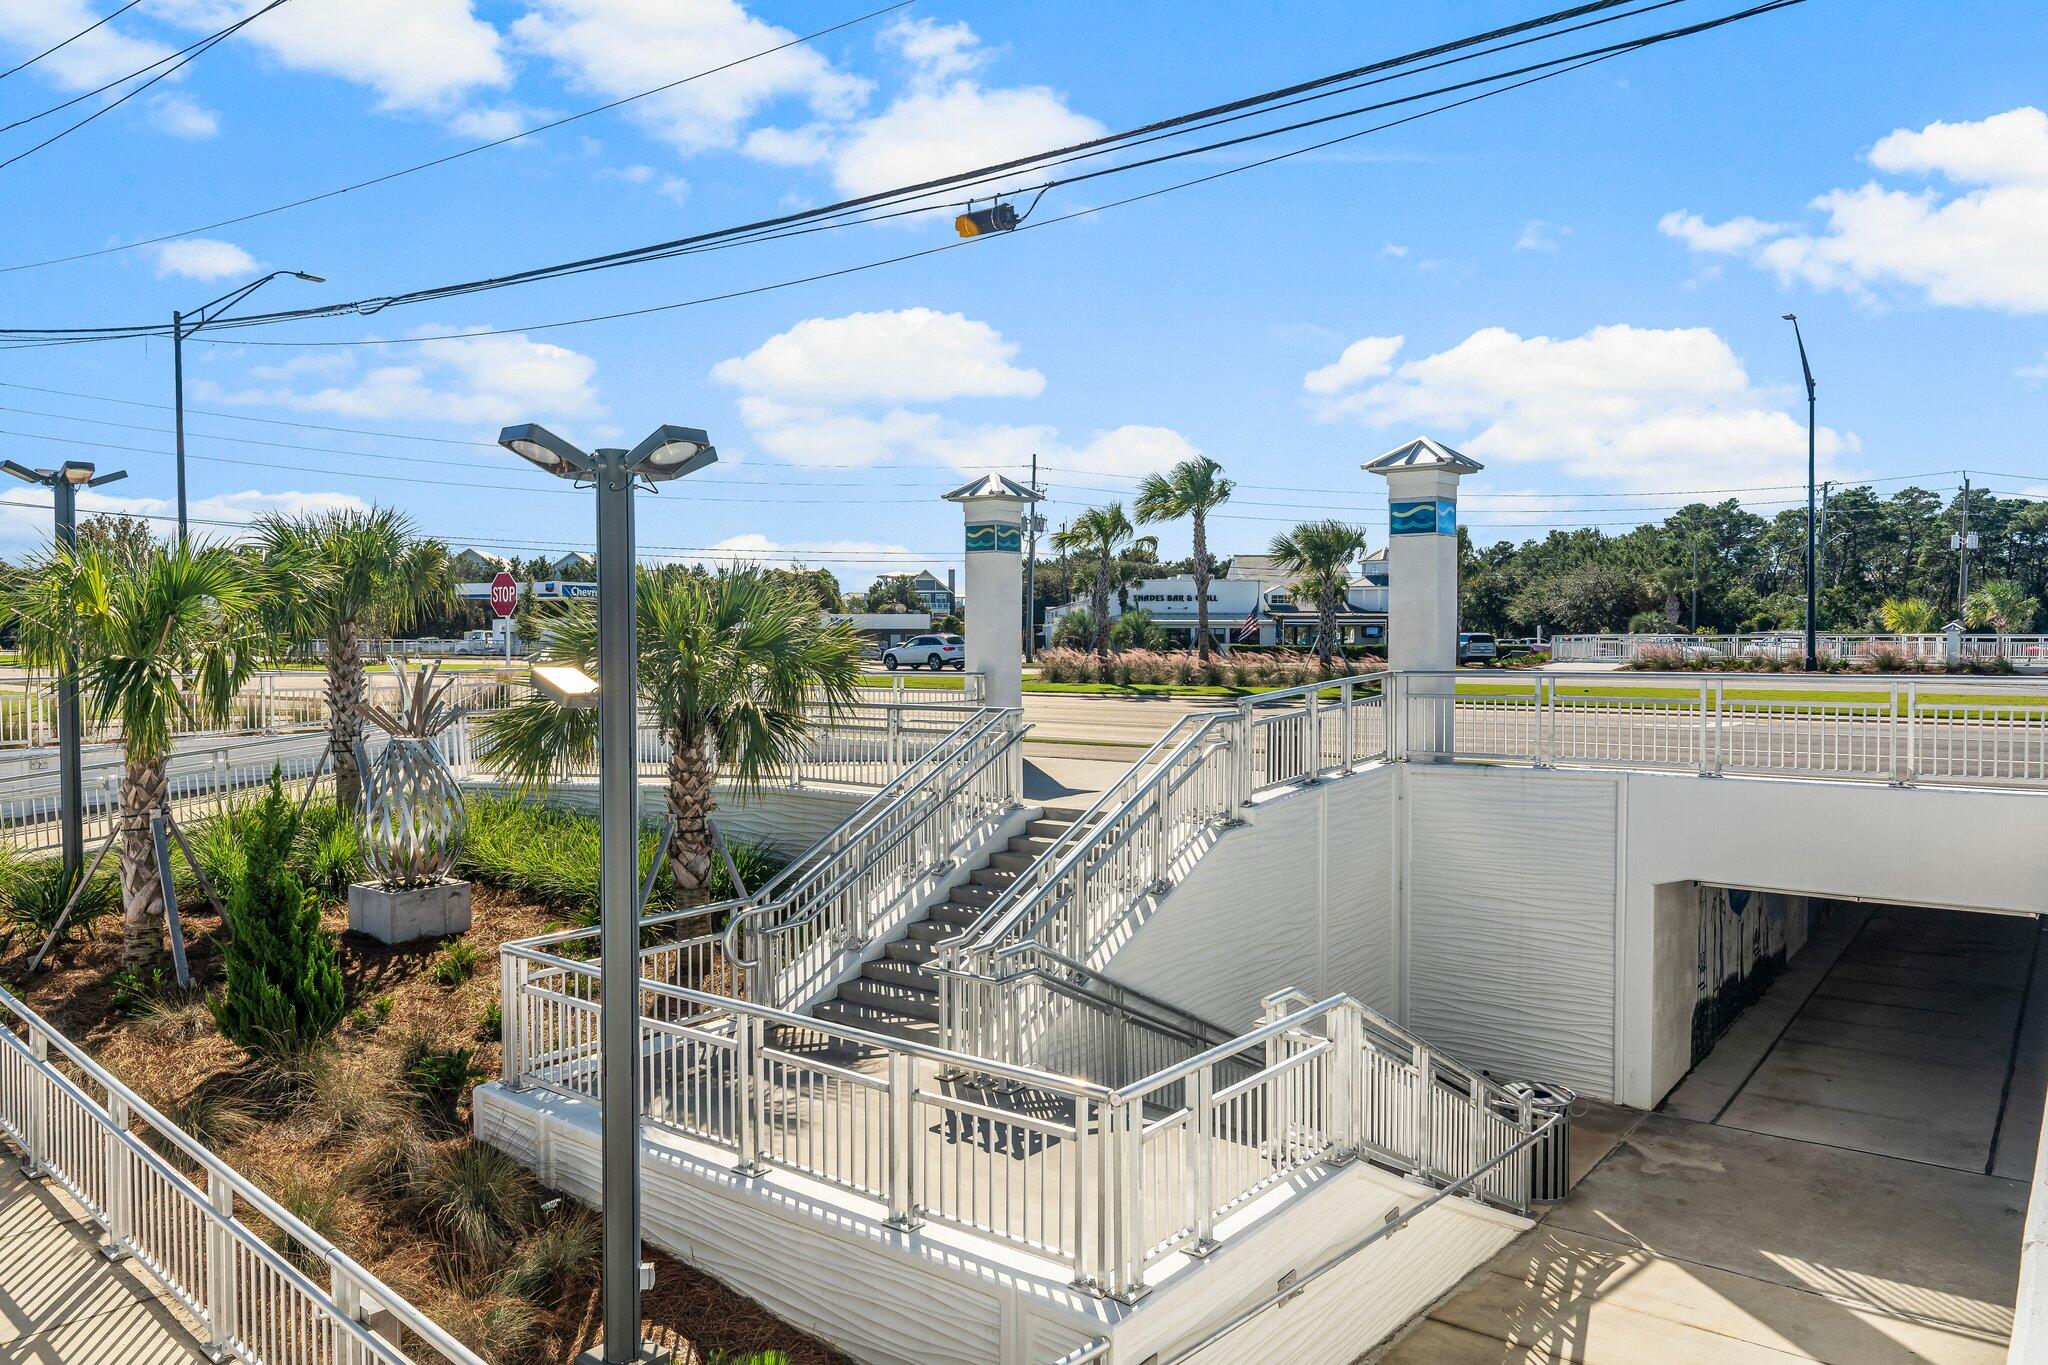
(1901, 1031)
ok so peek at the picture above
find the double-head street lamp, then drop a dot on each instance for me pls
(1806, 369)
(669, 452)
(184, 325)
(64, 484)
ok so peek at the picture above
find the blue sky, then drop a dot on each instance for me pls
(1579, 283)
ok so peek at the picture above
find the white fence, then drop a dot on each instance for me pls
(1951, 731)
(1106, 1181)
(2023, 651)
(173, 1207)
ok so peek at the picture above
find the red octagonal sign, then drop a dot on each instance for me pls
(504, 594)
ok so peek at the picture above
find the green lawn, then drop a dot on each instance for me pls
(933, 682)
(1139, 689)
(1605, 691)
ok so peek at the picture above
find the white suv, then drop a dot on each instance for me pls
(927, 651)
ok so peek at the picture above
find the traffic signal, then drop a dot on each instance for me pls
(979, 222)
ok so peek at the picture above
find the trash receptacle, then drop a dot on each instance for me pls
(1550, 1159)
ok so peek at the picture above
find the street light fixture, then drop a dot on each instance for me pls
(64, 484)
(1812, 661)
(184, 325)
(668, 452)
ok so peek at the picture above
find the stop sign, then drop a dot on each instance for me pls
(504, 594)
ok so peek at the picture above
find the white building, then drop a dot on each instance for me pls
(1250, 604)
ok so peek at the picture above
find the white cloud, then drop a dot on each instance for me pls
(931, 132)
(2039, 371)
(203, 258)
(1538, 235)
(415, 54)
(1134, 450)
(1978, 248)
(939, 51)
(182, 117)
(214, 518)
(31, 26)
(1366, 358)
(621, 47)
(481, 381)
(492, 124)
(906, 355)
(851, 561)
(1633, 407)
(1394, 249)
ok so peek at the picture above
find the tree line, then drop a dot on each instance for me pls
(1884, 564)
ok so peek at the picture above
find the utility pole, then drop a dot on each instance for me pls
(1812, 527)
(1826, 490)
(1036, 521)
(1695, 584)
(1963, 548)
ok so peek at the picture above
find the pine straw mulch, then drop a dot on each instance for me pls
(291, 1135)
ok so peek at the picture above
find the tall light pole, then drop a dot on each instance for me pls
(669, 452)
(1807, 370)
(184, 325)
(64, 485)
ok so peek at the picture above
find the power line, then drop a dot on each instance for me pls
(184, 58)
(434, 162)
(64, 43)
(788, 224)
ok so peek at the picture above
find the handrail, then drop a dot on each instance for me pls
(1169, 1017)
(1380, 1233)
(1223, 1052)
(429, 1331)
(845, 870)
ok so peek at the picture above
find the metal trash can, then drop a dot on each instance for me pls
(1550, 1160)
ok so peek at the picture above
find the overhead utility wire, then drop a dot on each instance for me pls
(190, 54)
(64, 43)
(97, 334)
(885, 196)
(388, 176)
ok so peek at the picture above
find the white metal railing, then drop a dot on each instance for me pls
(2020, 650)
(1953, 731)
(1134, 839)
(907, 687)
(2030, 1308)
(1107, 1181)
(175, 1209)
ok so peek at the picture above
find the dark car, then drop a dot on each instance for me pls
(1477, 647)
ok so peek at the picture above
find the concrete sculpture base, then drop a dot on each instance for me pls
(400, 915)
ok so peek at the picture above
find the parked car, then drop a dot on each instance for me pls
(1687, 646)
(1477, 647)
(1776, 647)
(927, 651)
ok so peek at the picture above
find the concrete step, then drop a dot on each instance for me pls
(911, 950)
(1028, 846)
(975, 895)
(1011, 862)
(852, 1014)
(892, 971)
(928, 931)
(914, 1002)
(998, 877)
(1047, 828)
(954, 916)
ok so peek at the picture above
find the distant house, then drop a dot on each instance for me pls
(573, 564)
(939, 598)
(472, 564)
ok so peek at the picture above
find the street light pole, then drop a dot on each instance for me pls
(64, 485)
(669, 453)
(1811, 596)
(201, 316)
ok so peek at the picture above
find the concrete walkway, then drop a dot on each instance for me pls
(1839, 1181)
(62, 1302)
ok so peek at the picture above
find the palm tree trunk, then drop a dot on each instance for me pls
(688, 798)
(142, 891)
(347, 690)
(1326, 624)
(1099, 604)
(1202, 585)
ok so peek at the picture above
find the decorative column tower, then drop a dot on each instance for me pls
(995, 508)
(1422, 577)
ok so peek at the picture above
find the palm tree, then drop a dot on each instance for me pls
(160, 636)
(1193, 488)
(1907, 615)
(376, 577)
(1104, 535)
(2002, 605)
(1319, 554)
(736, 670)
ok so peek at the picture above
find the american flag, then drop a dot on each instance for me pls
(1248, 629)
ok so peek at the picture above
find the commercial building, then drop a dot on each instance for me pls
(1251, 603)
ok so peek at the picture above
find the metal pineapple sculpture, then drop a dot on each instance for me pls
(413, 822)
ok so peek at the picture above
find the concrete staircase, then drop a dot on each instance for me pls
(893, 994)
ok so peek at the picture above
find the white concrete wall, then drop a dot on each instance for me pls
(1300, 896)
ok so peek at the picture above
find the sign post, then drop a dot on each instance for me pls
(505, 601)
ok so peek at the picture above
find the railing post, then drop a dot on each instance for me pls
(1720, 719)
(511, 1034)
(1087, 1200)
(1425, 1098)
(36, 1122)
(1161, 844)
(1346, 1075)
(748, 1074)
(1312, 737)
(222, 1318)
(1909, 760)
(119, 1203)
(903, 1136)
(1396, 703)
(1127, 1202)
(348, 1303)
(1201, 1160)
